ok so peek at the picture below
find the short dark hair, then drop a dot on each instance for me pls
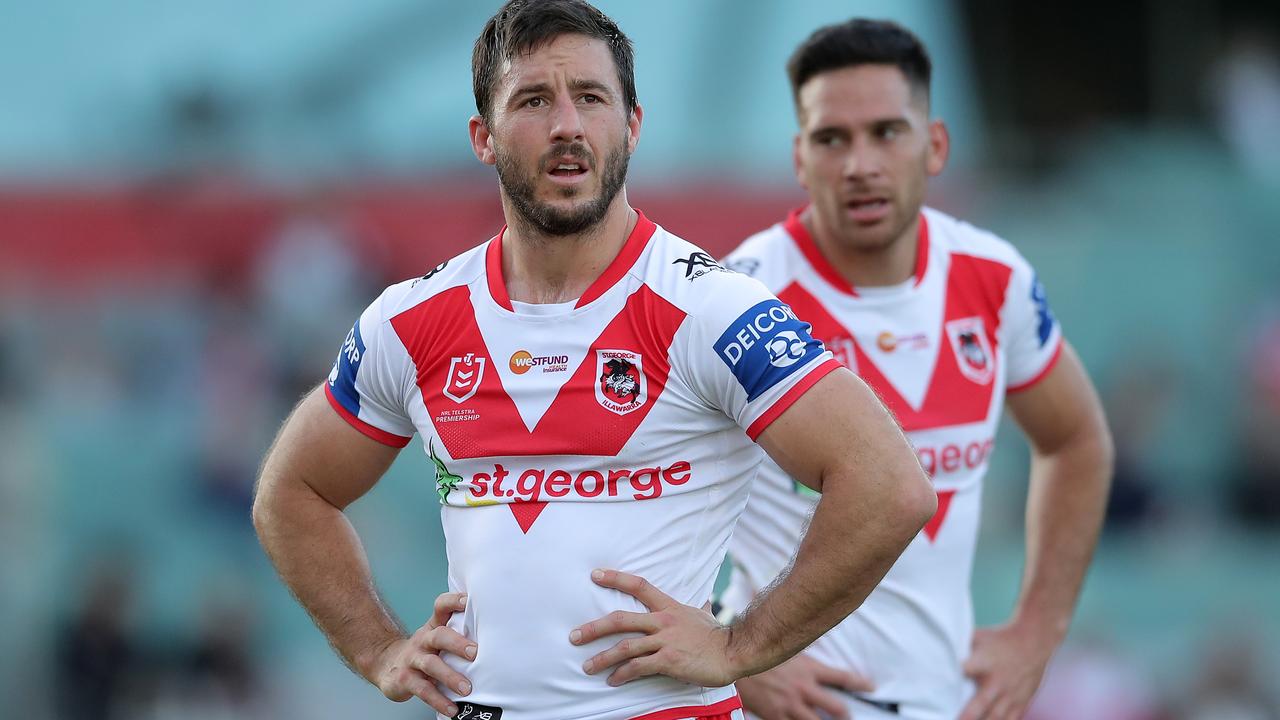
(860, 42)
(521, 26)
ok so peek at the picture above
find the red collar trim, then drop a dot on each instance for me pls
(626, 258)
(800, 234)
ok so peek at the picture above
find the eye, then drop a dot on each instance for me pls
(591, 99)
(888, 132)
(535, 102)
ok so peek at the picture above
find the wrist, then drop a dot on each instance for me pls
(1045, 629)
(370, 662)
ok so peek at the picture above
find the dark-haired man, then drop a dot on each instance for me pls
(947, 323)
(584, 400)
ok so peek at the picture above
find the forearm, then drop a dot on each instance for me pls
(1065, 509)
(320, 558)
(852, 540)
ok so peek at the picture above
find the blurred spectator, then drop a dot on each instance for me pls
(1088, 679)
(1255, 484)
(98, 659)
(1232, 684)
(215, 676)
(1244, 88)
(1137, 400)
(312, 276)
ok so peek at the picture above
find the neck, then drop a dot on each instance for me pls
(890, 264)
(541, 268)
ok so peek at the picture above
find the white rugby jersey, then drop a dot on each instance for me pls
(602, 433)
(941, 351)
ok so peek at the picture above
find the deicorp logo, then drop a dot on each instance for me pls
(765, 345)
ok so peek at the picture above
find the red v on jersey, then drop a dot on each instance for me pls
(975, 290)
(488, 424)
(952, 398)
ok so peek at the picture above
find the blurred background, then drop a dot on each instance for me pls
(197, 200)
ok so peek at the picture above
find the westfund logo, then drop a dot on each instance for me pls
(765, 345)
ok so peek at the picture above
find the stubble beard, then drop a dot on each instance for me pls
(521, 188)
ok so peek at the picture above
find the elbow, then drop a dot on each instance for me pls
(923, 502)
(916, 500)
(262, 511)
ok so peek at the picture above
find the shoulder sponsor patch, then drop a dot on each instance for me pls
(765, 345)
(1044, 321)
(342, 378)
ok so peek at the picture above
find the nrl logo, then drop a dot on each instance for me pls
(465, 374)
(622, 387)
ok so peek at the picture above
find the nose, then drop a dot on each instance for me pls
(566, 121)
(863, 160)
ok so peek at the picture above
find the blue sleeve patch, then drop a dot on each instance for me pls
(1044, 326)
(765, 345)
(342, 378)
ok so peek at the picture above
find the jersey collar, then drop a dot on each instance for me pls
(800, 234)
(626, 258)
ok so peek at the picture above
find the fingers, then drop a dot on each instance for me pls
(446, 605)
(445, 639)
(636, 668)
(834, 707)
(635, 586)
(426, 691)
(436, 669)
(848, 680)
(979, 705)
(625, 650)
(618, 621)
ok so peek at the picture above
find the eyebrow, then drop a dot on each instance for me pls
(578, 84)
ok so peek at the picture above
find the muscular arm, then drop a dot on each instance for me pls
(840, 440)
(317, 466)
(1071, 462)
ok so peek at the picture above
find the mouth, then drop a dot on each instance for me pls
(567, 170)
(868, 209)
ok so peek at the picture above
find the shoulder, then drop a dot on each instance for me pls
(458, 271)
(958, 237)
(766, 256)
(695, 282)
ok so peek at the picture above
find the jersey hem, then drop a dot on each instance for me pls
(382, 436)
(724, 707)
(789, 398)
(1011, 389)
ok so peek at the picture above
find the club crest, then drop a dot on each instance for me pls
(620, 386)
(973, 350)
(465, 374)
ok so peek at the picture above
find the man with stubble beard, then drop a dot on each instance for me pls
(592, 410)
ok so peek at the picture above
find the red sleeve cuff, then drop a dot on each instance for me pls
(1040, 375)
(789, 398)
(382, 436)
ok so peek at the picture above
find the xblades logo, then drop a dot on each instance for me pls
(698, 264)
(475, 711)
(431, 274)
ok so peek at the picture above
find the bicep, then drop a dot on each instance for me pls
(318, 450)
(838, 424)
(1061, 408)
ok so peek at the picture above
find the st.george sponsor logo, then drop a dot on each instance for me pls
(522, 361)
(954, 457)
(765, 345)
(541, 484)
